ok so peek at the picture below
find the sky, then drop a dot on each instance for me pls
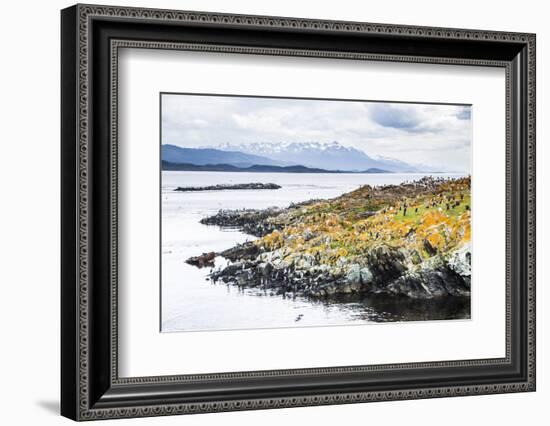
(433, 135)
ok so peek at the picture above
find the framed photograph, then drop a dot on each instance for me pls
(263, 212)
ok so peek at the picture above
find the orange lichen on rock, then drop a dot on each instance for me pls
(432, 218)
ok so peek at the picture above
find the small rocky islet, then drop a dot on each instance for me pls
(410, 240)
(222, 187)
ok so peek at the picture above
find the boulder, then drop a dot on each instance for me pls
(205, 259)
(460, 262)
(354, 275)
(366, 276)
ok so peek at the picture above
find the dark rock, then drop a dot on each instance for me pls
(385, 263)
(428, 284)
(245, 251)
(429, 248)
(250, 221)
(206, 259)
(386, 271)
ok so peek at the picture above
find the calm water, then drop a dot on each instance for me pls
(190, 302)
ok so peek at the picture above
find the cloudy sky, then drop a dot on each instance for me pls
(438, 136)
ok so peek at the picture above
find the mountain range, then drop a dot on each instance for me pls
(203, 156)
(332, 157)
(256, 168)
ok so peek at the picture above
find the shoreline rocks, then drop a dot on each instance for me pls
(249, 221)
(384, 271)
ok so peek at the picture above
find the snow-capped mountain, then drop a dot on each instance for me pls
(329, 156)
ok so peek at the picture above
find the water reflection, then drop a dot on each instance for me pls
(372, 307)
(384, 308)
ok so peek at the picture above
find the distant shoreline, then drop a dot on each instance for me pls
(260, 168)
(328, 172)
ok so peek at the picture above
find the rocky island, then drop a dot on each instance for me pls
(410, 240)
(238, 186)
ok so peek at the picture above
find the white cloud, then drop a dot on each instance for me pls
(435, 135)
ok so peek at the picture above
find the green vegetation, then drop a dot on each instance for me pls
(428, 217)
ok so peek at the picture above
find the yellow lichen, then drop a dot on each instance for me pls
(346, 227)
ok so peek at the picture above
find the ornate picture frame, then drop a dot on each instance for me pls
(91, 37)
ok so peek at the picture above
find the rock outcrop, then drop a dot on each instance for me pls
(410, 240)
(250, 221)
(205, 259)
(384, 271)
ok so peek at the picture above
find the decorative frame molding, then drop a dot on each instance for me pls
(91, 37)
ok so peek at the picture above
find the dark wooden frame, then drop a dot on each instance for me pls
(91, 37)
